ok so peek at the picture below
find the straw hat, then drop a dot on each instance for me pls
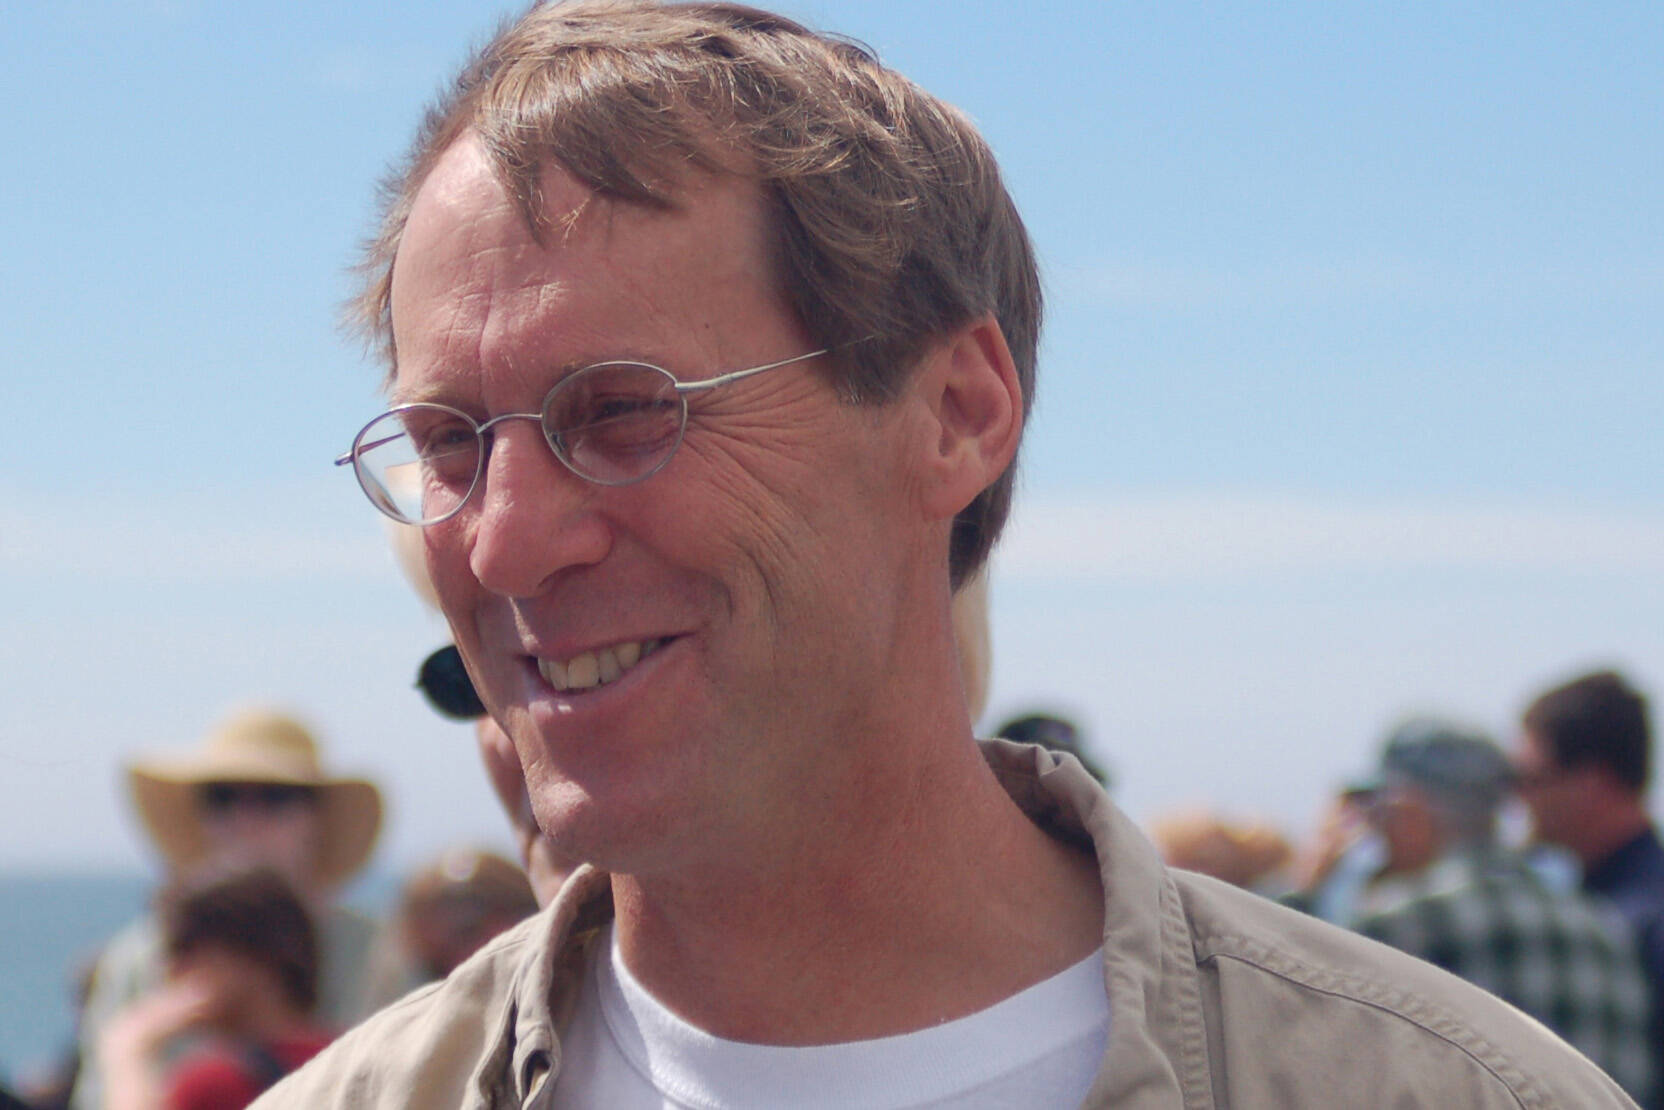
(255, 745)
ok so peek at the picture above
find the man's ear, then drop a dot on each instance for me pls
(968, 385)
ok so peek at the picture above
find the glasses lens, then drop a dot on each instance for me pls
(615, 423)
(448, 688)
(418, 463)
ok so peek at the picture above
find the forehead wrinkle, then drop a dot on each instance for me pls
(660, 260)
(450, 344)
(462, 247)
(468, 300)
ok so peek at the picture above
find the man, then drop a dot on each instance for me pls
(1584, 761)
(1474, 907)
(254, 793)
(712, 342)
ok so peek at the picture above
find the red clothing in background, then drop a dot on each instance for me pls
(229, 1076)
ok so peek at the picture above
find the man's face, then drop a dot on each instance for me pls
(1404, 819)
(263, 824)
(752, 575)
(1550, 792)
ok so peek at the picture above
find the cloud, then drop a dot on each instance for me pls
(253, 535)
(1200, 535)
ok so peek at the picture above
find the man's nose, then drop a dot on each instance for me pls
(535, 517)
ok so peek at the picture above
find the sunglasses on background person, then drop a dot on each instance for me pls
(446, 684)
(222, 797)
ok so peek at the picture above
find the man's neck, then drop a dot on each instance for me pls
(1609, 829)
(936, 899)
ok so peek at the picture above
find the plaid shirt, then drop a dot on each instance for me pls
(1487, 918)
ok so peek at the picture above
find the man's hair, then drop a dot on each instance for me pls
(1600, 720)
(890, 225)
(252, 912)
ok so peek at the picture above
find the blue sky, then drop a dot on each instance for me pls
(1350, 397)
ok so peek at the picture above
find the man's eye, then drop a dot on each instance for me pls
(443, 438)
(610, 410)
(447, 448)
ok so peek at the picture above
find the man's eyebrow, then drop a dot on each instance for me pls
(426, 395)
(440, 391)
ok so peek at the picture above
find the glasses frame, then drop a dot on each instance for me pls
(682, 389)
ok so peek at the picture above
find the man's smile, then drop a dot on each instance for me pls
(589, 669)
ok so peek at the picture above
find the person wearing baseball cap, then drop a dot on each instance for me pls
(1471, 905)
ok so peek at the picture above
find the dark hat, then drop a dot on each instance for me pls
(1444, 758)
(1054, 733)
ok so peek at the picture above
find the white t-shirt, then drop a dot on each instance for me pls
(1038, 1048)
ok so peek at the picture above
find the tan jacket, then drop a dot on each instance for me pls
(1218, 998)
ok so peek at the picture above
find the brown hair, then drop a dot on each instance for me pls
(252, 912)
(1597, 719)
(890, 220)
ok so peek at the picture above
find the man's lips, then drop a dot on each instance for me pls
(590, 669)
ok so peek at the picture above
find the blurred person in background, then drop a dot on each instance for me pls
(234, 1011)
(448, 909)
(1336, 874)
(1583, 757)
(1247, 853)
(1054, 733)
(1476, 908)
(253, 793)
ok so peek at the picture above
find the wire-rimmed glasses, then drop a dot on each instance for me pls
(613, 423)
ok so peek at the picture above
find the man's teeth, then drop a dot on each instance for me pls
(595, 668)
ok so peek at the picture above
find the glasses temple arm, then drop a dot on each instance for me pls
(736, 375)
(360, 448)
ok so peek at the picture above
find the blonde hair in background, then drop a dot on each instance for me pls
(406, 542)
(972, 637)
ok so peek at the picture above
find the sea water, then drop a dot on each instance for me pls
(52, 926)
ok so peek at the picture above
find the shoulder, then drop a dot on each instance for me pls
(129, 964)
(424, 1049)
(135, 950)
(1300, 998)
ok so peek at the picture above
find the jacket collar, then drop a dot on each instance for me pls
(1157, 1045)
